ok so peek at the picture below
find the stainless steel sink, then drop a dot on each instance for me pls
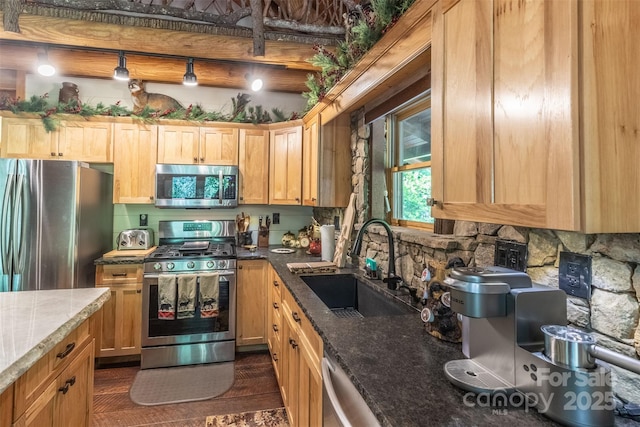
(349, 296)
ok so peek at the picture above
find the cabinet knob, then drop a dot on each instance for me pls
(60, 154)
(313, 199)
(275, 328)
(202, 159)
(293, 343)
(275, 283)
(275, 357)
(295, 316)
(195, 160)
(239, 267)
(275, 305)
(151, 197)
(53, 154)
(432, 202)
(297, 199)
(138, 291)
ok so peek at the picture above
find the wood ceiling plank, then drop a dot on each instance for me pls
(157, 41)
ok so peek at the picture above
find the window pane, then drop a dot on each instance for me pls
(412, 188)
(415, 138)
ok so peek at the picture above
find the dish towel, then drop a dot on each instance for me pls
(166, 296)
(187, 284)
(209, 290)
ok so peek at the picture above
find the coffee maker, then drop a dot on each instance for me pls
(505, 337)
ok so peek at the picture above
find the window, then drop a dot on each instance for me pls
(409, 164)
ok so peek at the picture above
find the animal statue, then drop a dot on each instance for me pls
(155, 101)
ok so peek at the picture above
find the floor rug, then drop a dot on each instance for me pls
(181, 384)
(267, 418)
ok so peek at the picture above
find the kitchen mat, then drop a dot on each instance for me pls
(161, 386)
(267, 418)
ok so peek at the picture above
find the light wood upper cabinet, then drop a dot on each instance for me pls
(252, 299)
(87, 141)
(134, 158)
(326, 162)
(519, 137)
(285, 165)
(187, 145)
(253, 166)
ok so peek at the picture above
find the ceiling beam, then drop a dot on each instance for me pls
(93, 64)
(78, 33)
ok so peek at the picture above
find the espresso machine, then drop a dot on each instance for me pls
(518, 345)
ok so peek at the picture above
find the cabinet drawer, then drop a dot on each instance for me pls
(118, 274)
(293, 310)
(33, 382)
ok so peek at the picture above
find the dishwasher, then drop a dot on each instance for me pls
(342, 404)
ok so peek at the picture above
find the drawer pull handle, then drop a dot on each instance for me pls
(275, 328)
(275, 283)
(138, 291)
(295, 316)
(64, 389)
(293, 343)
(66, 351)
(275, 357)
(275, 305)
(119, 274)
(71, 381)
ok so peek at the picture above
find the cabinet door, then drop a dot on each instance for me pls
(218, 146)
(504, 117)
(290, 369)
(251, 327)
(274, 322)
(121, 321)
(74, 398)
(310, 160)
(253, 165)
(309, 388)
(86, 141)
(27, 139)
(134, 163)
(285, 166)
(178, 144)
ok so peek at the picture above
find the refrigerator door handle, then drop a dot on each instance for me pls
(5, 234)
(19, 224)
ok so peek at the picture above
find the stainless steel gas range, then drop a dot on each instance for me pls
(189, 295)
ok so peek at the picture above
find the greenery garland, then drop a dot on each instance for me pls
(365, 26)
(242, 112)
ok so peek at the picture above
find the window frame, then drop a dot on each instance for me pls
(393, 153)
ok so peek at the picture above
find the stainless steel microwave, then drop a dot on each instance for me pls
(196, 186)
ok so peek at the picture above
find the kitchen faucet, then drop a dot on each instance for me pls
(392, 279)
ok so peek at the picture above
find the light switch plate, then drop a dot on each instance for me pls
(511, 255)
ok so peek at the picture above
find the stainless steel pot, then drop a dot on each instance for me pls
(573, 348)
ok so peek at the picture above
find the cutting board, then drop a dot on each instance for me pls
(129, 253)
(344, 240)
(311, 267)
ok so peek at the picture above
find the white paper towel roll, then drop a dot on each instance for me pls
(328, 241)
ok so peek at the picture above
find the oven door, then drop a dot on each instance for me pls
(157, 332)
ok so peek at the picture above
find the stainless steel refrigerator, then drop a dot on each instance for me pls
(56, 218)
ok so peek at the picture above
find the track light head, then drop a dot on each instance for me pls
(190, 78)
(121, 72)
(45, 68)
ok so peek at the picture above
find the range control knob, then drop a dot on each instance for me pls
(222, 263)
(191, 264)
(157, 266)
(170, 266)
(210, 264)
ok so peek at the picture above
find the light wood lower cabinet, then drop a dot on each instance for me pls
(251, 295)
(122, 313)
(57, 391)
(300, 375)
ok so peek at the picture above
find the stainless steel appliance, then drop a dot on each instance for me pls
(137, 238)
(513, 349)
(342, 404)
(196, 186)
(55, 219)
(191, 248)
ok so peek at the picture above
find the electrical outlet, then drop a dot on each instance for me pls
(144, 218)
(336, 222)
(276, 218)
(511, 255)
(574, 274)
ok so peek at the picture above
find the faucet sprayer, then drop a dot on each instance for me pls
(392, 279)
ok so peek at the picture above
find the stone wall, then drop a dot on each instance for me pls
(613, 311)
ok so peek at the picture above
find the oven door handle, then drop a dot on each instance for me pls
(195, 273)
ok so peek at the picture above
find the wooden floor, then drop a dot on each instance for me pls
(255, 388)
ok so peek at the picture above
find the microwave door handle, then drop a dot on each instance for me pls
(220, 186)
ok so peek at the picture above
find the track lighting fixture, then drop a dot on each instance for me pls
(190, 78)
(121, 72)
(45, 68)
